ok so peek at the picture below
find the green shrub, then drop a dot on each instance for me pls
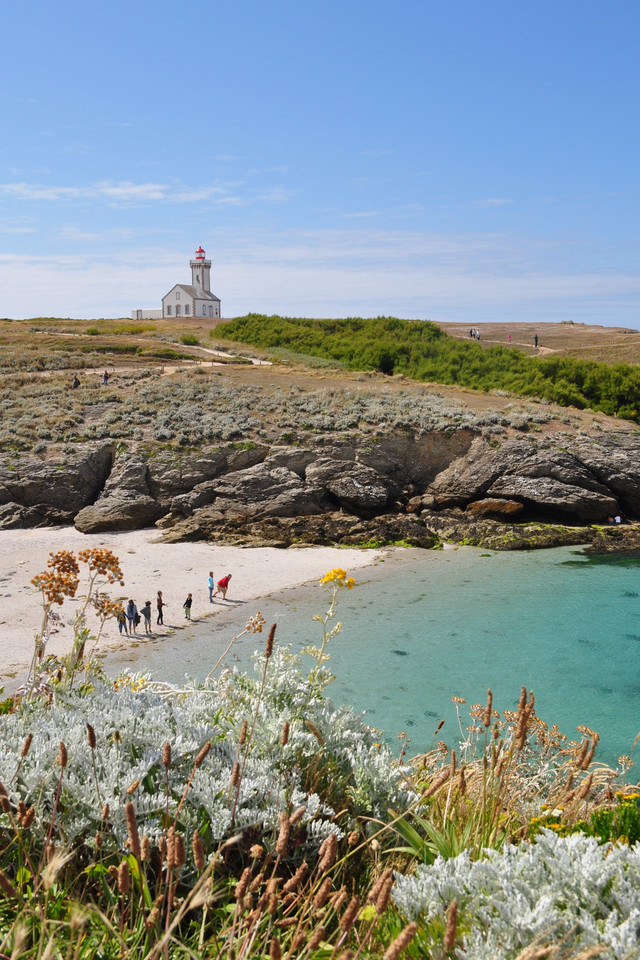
(421, 350)
(189, 340)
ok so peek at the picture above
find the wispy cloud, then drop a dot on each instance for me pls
(362, 215)
(123, 191)
(276, 195)
(495, 202)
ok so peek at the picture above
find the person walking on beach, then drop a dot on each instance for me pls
(132, 616)
(122, 619)
(187, 606)
(146, 613)
(210, 585)
(160, 604)
(223, 586)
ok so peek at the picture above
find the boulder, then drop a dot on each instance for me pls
(358, 488)
(494, 507)
(470, 476)
(547, 496)
(176, 473)
(15, 515)
(614, 460)
(125, 502)
(65, 484)
(263, 491)
(542, 475)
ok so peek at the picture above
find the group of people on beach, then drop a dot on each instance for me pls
(129, 618)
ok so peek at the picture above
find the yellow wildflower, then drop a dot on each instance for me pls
(339, 578)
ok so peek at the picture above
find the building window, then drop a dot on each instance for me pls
(177, 294)
(204, 309)
(177, 310)
(168, 310)
(186, 310)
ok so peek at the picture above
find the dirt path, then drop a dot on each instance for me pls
(165, 370)
(538, 351)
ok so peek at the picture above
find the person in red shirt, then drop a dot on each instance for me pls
(223, 586)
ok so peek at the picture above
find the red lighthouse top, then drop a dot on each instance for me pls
(199, 254)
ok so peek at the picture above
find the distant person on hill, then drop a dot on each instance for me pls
(535, 341)
(75, 383)
(223, 586)
(472, 333)
(105, 377)
(509, 338)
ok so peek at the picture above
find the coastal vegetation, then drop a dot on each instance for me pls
(247, 816)
(199, 408)
(423, 351)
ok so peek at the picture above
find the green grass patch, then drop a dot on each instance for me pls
(421, 350)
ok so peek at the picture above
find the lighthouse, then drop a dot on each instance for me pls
(201, 271)
(194, 299)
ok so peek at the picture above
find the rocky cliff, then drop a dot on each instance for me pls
(520, 491)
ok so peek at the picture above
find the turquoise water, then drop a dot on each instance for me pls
(423, 627)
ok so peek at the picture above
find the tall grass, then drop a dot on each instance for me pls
(249, 818)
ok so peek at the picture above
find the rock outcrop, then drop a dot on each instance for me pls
(35, 492)
(529, 490)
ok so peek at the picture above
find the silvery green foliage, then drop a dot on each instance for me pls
(553, 888)
(132, 726)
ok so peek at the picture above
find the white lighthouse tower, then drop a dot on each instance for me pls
(201, 271)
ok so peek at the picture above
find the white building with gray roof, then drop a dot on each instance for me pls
(193, 299)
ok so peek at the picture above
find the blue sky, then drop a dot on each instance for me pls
(441, 159)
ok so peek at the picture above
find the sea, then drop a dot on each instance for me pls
(422, 627)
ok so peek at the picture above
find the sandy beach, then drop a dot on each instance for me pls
(148, 566)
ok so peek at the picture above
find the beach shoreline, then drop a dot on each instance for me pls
(148, 565)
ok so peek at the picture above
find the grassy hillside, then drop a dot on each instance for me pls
(423, 351)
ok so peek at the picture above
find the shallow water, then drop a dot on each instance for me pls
(425, 626)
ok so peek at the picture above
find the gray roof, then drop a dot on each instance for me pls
(196, 292)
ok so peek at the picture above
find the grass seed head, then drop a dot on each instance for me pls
(197, 847)
(203, 754)
(123, 877)
(323, 894)
(269, 647)
(132, 830)
(401, 942)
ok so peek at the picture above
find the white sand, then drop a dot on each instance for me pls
(177, 569)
